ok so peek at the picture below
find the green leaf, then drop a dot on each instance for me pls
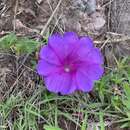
(46, 127)
(102, 125)
(18, 45)
(126, 102)
(127, 90)
(84, 124)
(7, 41)
(26, 45)
(125, 125)
(128, 114)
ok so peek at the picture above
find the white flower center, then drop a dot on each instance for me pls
(67, 69)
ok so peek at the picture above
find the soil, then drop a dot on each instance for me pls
(30, 17)
(76, 15)
(118, 24)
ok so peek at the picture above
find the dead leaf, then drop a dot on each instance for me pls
(39, 1)
(20, 26)
(98, 21)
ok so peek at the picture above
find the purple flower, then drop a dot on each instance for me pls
(69, 63)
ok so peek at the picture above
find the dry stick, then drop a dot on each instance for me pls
(57, 21)
(56, 24)
(104, 44)
(51, 17)
(15, 83)
(108, 3)
(15, 12)
(114, 40)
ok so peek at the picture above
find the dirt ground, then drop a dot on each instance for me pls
(103, 20)
(76, 15)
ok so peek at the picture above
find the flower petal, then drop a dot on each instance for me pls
(63, 45)
(77, 54)
(93, 71)
(73, 87)
(70, 37)
(84, 47)
(47, 54)
(44, 68)
(95, 56)
(84, 83)
(58, 83)
(56, 43)
(86, 42)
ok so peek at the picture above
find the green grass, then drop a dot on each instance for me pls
(110, 100)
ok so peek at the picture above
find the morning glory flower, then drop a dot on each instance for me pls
(69, 63)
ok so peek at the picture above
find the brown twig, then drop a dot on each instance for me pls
(15, 12)
(51, 17)
(116, 40)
